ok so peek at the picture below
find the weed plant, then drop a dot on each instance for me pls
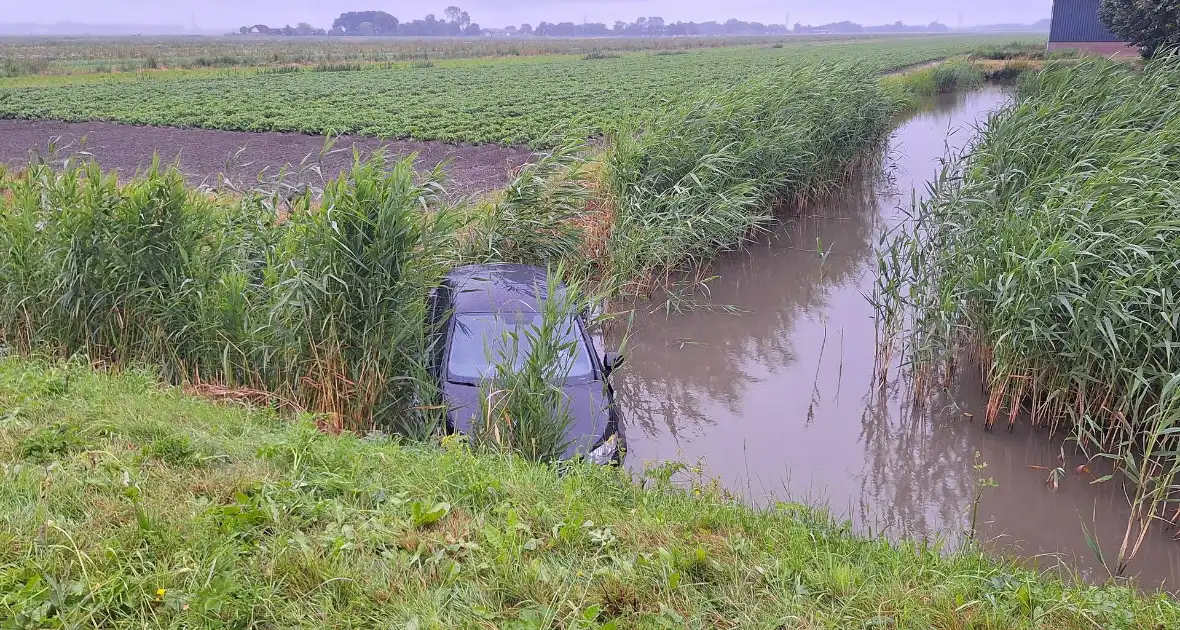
(524, 409)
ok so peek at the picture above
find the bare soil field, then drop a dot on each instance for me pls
(242, 156)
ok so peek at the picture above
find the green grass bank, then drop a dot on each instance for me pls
(128, 505)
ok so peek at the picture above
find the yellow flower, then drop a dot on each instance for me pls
(161, 591)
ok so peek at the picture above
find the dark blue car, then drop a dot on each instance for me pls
(473, 309)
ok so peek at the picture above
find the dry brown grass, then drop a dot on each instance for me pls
(991, 65)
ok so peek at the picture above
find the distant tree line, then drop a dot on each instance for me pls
(303, 28)
(658, 27)
(456, 22)
(853, 27)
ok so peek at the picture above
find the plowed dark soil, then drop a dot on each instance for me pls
(205, 154)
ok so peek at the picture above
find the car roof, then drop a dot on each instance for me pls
(497, 288)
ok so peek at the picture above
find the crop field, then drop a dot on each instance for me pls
(20, 56)
(525, 100)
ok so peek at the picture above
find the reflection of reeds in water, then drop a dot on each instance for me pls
(686, 360)
(1048, 258)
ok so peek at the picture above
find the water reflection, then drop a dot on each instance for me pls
(718, 354)
(781, 401)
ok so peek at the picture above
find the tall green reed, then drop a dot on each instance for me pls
(323, 306)
(357, 270)
(910, 89)
(1051, 250)
(702, 176)
(1049, 256)
(537, 218)
(119, 272)
(1149, 460)
(523, 407)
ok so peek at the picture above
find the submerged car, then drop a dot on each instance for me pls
(474, 310)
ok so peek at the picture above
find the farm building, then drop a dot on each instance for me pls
(1076, 25)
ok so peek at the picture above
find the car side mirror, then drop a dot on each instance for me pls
(611, 362)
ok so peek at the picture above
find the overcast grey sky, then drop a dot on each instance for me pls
(496, 13)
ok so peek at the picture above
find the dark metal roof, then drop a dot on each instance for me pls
(496, 288)
(1077, 21)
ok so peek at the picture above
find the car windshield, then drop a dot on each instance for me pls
(480, 339)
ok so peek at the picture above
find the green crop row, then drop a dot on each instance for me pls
(510, 101)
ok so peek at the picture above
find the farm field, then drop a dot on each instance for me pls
(527, 100)
(23, 56)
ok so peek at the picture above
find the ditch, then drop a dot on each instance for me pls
(776, 392)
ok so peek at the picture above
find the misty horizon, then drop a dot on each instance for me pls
(218, 15)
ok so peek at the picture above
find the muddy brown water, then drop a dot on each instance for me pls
(780, 401)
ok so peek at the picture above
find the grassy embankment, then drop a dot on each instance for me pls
(1049, 254)
(127, 505)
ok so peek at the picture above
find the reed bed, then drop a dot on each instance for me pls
(322, 304)
(1050, 255)
(704, 175)
(911, 89)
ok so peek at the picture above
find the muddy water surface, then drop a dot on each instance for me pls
(781, 403)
